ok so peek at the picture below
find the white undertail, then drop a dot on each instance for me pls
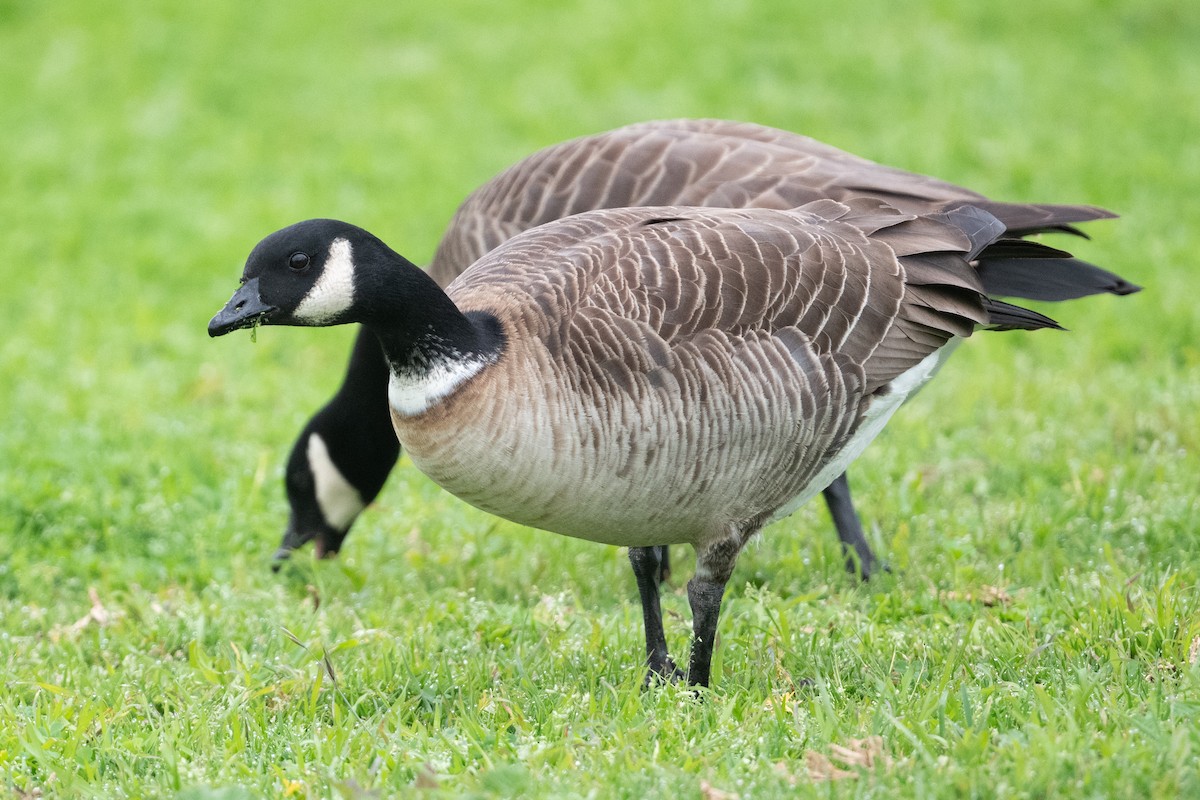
(879, 411)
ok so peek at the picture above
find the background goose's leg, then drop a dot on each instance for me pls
(649, 567)
(859, 558)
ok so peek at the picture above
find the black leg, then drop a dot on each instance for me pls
(859, 558)
(705, 598)
(714, 565)
(648, 568)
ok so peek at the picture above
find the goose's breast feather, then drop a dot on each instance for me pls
(671, 372)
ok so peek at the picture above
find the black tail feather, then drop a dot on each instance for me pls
(1022, 248)
(1010, 266)
(1049, 278)
(1007, 317)
(1034, 271)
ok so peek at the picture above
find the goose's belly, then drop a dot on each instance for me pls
(658, 469)
(606, 481)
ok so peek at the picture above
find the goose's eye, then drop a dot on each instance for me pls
(297, 261)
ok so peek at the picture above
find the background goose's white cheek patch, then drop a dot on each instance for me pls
(333, 293)
(340, 502)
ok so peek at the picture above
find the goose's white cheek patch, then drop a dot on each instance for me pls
(333, 293)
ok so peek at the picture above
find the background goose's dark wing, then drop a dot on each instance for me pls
(711, 163)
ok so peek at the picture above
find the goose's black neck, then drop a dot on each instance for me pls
(417, 324)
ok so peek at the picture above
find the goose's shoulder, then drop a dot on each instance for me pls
(630, 259)
(882, 288)
(825, 269)
(605, 255)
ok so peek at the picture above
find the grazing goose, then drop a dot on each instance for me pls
(344, 454)
(652, 376)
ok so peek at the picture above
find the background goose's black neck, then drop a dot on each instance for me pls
(418, 325)
(366, 376)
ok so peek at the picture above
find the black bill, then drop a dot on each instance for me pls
(244, 310)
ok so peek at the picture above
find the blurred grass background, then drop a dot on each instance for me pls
(145, 147)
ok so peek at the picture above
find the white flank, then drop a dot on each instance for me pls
(880, 410)
(340, 502)
(410, 394)
(333, 293)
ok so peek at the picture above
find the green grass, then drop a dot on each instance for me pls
(145, 147)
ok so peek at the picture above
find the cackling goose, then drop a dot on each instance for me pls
(651, 376)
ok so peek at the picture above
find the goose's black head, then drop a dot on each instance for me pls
(305, 274)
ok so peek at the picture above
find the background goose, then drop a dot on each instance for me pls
(344, 454)
(651, 376)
